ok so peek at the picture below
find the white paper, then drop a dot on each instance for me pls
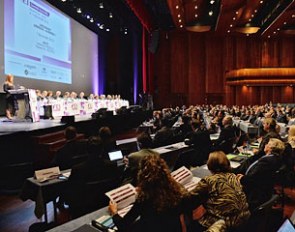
(122, 196)
(185, 177)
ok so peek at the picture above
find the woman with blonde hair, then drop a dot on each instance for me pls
(160, 200)
(291, 136)
(7, 86)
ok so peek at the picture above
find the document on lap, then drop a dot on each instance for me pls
(185, 177)
(124, 197)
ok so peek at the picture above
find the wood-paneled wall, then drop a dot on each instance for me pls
(190, 68)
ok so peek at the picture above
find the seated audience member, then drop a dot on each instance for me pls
(160, 200)
(165, 135)
(72, 147)
(83, 195)
(144, 142)
(227, 136)
(108, 143)
(96, 166)
(81, 96)
(200, 140)
(221, 195)
(258, 181)
(185, 127)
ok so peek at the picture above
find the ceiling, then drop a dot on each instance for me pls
(267, 18)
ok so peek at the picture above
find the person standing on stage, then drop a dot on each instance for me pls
(10, 106)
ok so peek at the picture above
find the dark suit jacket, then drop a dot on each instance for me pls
(258, 182)
(163, 137)
(225, 140)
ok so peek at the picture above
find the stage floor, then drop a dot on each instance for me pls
(17, 125)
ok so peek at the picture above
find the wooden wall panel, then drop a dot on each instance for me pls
(192, 66)
(196, 69)
(214, 65)
(286, 46)
(179, 63)
(287, 94)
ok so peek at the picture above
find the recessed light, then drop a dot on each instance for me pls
(107, 29)
(196, 7)
(181, 26)
(196, 16)
(261, 2)
(285, 23)
(101, 5)
(91, 20)
(228, 31)
(212, 2)
(234, 18)
(179, 20)
(237, 12)
(111, 15)
(79, 11)
(231, 25)
(178, 15)
(177, 7)
(210, 13)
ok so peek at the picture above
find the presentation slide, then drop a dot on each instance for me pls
(37, 41)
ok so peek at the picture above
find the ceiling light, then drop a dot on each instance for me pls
(247, 29)
(91, 20)
(107, 29)
(247, 35)
(101, 5)
(79, 11)
(278, 29)
(178, 15)
(196, 7)
(231, 25)
(261, 2)
(210, 13)
(177, 7)
(293, 15)
(98, 24)
(101, 26)
(268, 36)
(88, 16)
(212, 2)
(181, 26)
(237, 12)
(252, 15)
(179, 20)
(234, 18)
(255, 11)
(198, 28)
(274, 32)
(285, 23)
(63, 0)
(228, 31)
(111, 15)
(196, 16)
(125, 32)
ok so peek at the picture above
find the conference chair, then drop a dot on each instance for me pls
(265, 217)
(90, 196)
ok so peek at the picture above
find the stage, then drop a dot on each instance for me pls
(22, 125)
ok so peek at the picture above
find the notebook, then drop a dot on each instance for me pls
(287, 226)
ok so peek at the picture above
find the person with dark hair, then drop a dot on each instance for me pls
(82, 196)
(222, 196)
(165, 135)
(71, 148)
(144, 143)
(108, 143)
(160, 200)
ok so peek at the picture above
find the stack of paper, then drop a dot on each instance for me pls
(186, 178)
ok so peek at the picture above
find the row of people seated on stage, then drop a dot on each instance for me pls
(50, 95)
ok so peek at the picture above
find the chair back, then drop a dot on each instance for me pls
(90, 196)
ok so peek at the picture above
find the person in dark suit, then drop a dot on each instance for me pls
(165, 135)
(258, 181)
(85, 193)
(227, 136)
(73, 147)
(160, 200)
(108, 143)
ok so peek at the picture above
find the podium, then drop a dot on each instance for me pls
(27, 104)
